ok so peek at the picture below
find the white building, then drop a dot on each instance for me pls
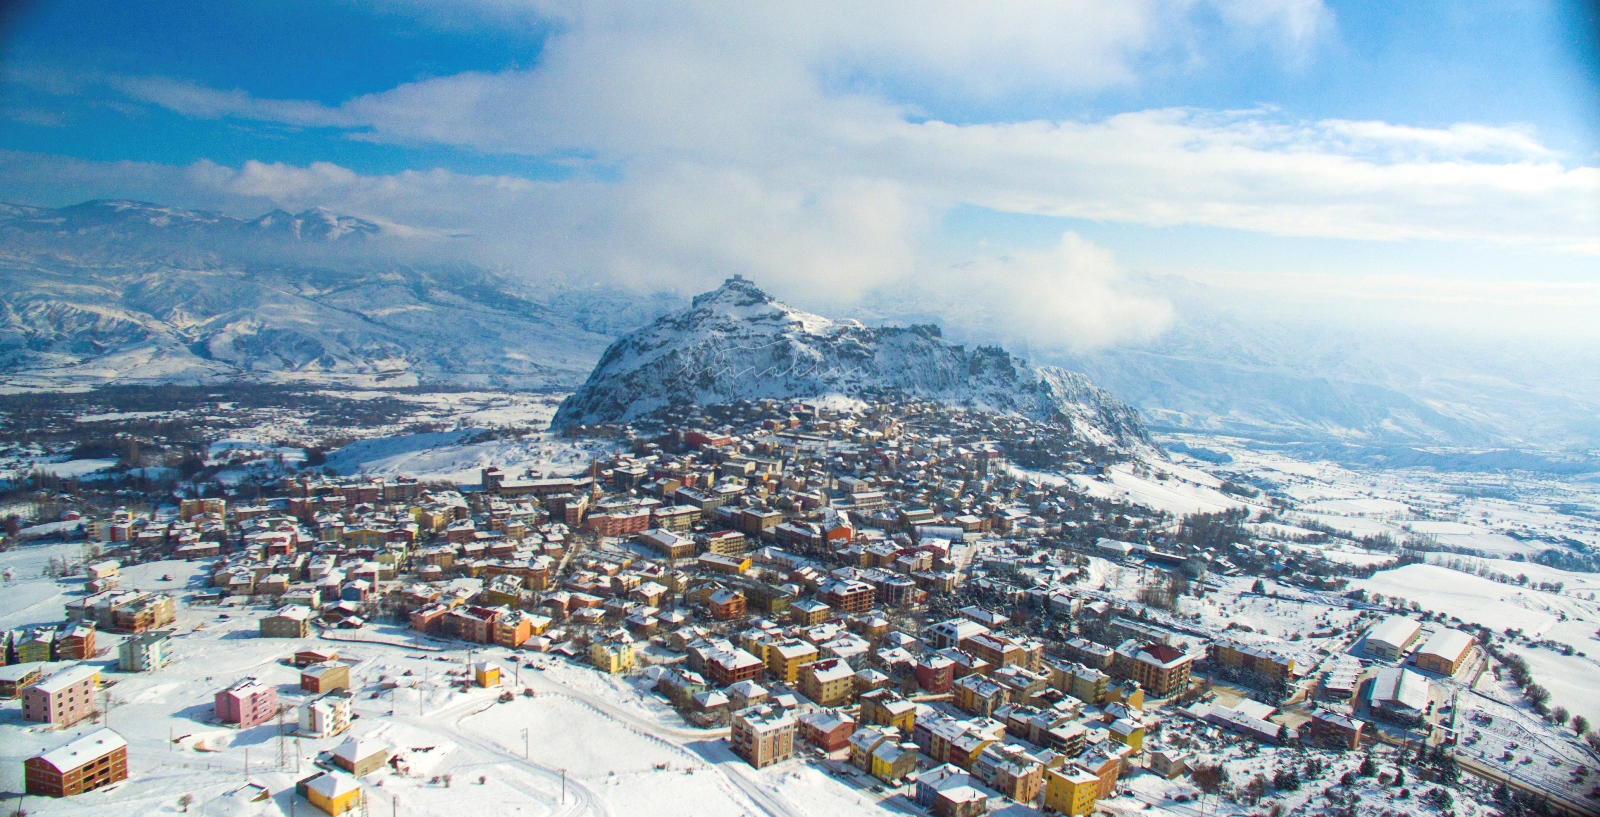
(325, 715)
(1391, 638)
(1400, 693)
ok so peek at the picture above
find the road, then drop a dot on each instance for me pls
(1551, 761)
(543, 684)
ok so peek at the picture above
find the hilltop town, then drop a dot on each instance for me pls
(886, 594)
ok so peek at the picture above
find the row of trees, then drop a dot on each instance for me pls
(1538, 697)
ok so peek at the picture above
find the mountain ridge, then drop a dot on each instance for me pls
(737, 342)
(116, 291)
(106, 217)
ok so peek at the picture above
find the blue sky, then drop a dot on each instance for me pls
(854, 147)
(1424, 63)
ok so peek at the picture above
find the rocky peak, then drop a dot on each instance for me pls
(737, 291)
(736, 342)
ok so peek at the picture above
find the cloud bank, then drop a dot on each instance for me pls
(795, 145)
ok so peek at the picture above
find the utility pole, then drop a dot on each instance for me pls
(524, 744)
(563, 787)
(247, 765)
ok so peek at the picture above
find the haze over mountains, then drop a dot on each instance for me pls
(1271, 376)
(1270, 371)
(129, 292)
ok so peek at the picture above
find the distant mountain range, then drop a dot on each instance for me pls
(1253, 371)
(737, 342)
(132, 220)
(1245, 365)
(130, 292)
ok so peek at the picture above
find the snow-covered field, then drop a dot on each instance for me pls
(451, 456)
(1173, 487)
(481, 409)
(1498, 514)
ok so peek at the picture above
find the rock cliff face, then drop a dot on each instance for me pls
(737, 343)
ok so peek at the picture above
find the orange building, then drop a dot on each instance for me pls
(97, 759)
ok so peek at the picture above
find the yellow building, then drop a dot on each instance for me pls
(611, 658)
(1127, 733)
(828, 683)
(785, 659)
(335, 794)
(1126, 692)
(1070, 791)
(884, 708)
(35, 647)
(486, 674)
(430, 520)
(892, 761)
(366, 537)
(1079, 681)
(191, 508)
(757, 643)
(1252, 659)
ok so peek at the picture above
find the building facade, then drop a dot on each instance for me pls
(247, 703)
(97, 759)
(64, 698)
(762, 735)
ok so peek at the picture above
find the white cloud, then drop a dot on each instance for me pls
(1069, 296)
(1297, 22)
(1248, 171)
(743, 92)
(275, 182)
(785, 142)
(192, 99)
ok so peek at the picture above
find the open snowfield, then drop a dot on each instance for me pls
(1175, 488)
(1497, 513)
(75, 468)
(623, 750)
(485, 409)
(449, 456)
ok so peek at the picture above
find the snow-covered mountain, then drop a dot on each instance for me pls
(736, 342)
(114, 220)
(129, 292)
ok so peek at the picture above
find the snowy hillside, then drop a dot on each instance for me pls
(128, 292)
(736, 342)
